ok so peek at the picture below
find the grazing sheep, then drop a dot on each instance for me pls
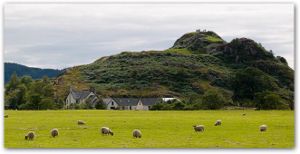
(107, 131)
(218, 123)
(263, 128)
(80, 122)
(54, 132)
(137, 133)
(198, 128)
(6, 116)
(30, 135)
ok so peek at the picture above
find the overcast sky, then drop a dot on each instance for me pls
(64, 35)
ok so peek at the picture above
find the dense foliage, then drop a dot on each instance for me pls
(270, 100)
(26, 93)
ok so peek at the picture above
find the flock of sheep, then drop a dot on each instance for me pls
(136, 133)
(104, 130)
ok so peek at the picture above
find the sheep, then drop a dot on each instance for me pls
(54, 132)
(263, 128)
(218, 123)
(107, 131)
(6, 116)
(30, 135)
(198, 128)
(137, 133)
(80, 122)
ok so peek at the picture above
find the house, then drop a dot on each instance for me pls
(77, 97)
(130, 103)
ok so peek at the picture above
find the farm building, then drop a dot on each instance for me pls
(76, 97)
(130, 103)
(112, 103)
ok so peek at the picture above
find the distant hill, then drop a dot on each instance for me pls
(198, 61)
(21, 70)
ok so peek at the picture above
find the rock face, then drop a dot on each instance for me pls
(238, 50)
(242, 50)
(199, 42)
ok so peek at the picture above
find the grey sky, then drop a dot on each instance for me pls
(64, 35)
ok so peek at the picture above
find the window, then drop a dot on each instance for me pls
(112, 103)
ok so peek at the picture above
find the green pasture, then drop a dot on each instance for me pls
(160, 129)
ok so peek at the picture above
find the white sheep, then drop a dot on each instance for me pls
(218, 123)
(137, 133)
(198, 128)
(80, 122)
(30, 135)
(106, 131)
(263, 128)
(54, 132)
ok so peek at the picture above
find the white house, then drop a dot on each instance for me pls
(130, 103)
(77, 97)
(110, 103)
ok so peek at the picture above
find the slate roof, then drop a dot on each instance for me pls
(150, 101)
(126, 101)
(134, 101)
(79, 94)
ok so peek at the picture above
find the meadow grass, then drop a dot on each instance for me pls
(160, 129)
(213, 39)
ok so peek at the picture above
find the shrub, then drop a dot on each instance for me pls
(100, 105)
(212, 99)
(47, 103)
(269, 101)
(157, 106)
(178, 105)
(251, 80)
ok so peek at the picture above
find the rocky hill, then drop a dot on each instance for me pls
(198, 61)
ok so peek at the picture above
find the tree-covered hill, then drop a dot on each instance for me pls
(242, 71)
(22, 70)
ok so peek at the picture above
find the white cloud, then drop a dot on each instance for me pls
(63, 35)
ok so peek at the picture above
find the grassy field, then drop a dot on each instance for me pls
(161, 129)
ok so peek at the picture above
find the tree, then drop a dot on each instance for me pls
(59, 103)
(13, 83)
(47, 90)
(16, 97)
(47, 103)
(268, 100)
(178, 105)
(100, 105)
(251, 80)
(12, 100)
(26, 80)
(33, 102)
(46, 80)
(83, 105)
(157, 106)
(212, 99)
